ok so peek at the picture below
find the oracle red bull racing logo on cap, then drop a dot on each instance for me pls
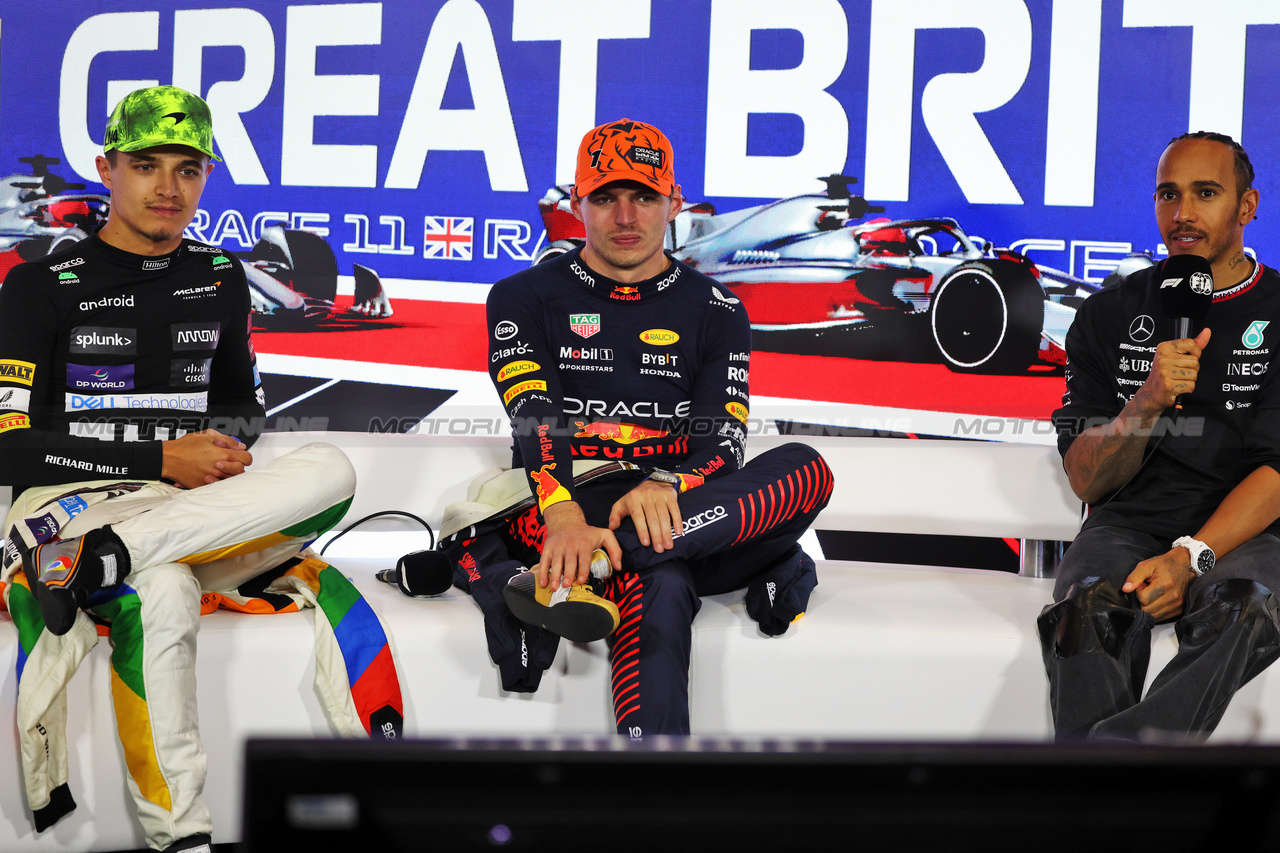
(584, 325)
(620, 432)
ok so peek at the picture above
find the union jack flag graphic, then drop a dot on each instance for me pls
(448, 237)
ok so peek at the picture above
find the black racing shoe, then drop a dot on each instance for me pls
(575, 613)
(199, 843)
(64, 573)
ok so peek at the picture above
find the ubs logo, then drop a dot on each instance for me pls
(1142, 328)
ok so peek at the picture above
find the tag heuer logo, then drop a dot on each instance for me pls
(585, 325)
(1252, 337)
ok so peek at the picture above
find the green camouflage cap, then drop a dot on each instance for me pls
(161, 115)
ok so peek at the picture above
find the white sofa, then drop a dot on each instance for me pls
(886, 652)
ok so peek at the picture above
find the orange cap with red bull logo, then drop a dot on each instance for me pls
(624, 150)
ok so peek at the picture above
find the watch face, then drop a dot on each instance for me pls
(1205, 561)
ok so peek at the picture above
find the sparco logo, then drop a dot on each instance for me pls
(703, 519)
(74, 262)
(210, 249)
(506, 330)
(583, 274)
(108, 302)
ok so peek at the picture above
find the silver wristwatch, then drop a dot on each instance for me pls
(660, 476)
(1202, 556)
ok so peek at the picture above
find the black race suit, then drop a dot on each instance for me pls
(89, 380)
(653, 373)
(1096, 639)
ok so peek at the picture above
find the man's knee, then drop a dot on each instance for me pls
(168, 588)
(667, 587)
(1212, 609)
(332, 466)
(1093, 616)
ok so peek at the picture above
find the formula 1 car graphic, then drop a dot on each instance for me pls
(815, 281)
(293, 275)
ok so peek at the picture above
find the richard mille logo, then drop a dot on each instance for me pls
(1142, 328)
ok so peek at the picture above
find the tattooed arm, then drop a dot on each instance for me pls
(1103, 458)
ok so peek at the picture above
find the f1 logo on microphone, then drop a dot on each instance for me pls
(1170, 282)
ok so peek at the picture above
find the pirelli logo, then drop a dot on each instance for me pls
(19, 372)
(14, 420)
(516, 390)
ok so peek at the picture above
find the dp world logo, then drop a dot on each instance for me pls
(1142, 328)
(1252, 337)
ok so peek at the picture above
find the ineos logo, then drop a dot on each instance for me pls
(506, 330)
(1142, 328)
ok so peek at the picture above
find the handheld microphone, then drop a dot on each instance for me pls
(420, 574)
(1186, 294)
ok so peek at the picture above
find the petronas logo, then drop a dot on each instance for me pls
(1252, 337)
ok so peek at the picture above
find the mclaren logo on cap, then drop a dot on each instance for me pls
(177, 117)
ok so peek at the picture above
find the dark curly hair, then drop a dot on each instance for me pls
(1244, 169)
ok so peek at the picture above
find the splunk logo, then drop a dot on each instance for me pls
(103, 340)
(704, 519)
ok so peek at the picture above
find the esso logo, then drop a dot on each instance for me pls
(505, 330)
